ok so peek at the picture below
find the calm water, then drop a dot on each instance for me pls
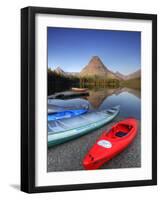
(128, 99)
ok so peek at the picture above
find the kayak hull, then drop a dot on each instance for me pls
(69, 134)
(79, 89)
(111, 143)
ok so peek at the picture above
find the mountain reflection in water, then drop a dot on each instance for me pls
(129, 100)
(101, 98)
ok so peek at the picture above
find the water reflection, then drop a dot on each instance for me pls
(129, 99)
(100, 98)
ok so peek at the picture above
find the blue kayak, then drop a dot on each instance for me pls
(65, 114)
(63, 130)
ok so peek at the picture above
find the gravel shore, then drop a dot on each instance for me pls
(69, 156)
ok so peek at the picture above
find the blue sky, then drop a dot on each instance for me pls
(71, 49)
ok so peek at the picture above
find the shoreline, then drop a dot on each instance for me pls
(69, 156)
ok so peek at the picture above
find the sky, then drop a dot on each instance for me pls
(71, 49)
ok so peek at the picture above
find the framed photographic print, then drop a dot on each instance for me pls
(88, 99)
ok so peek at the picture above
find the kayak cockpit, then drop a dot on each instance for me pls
(121, 134)
(120, 130)
(112, 110)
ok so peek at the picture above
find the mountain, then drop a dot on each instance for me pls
(76, 74)
(121, 76)
(134, 75)
(96, 67)
(59, 71)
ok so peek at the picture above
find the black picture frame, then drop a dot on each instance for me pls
(28, 98)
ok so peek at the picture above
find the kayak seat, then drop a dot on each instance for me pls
(91, 157)
(121, 134)
(123, 130)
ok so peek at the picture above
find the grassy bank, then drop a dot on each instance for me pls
(133, 83)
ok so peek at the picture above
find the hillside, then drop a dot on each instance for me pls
(61, 72)
(134, 75)
(97, 68)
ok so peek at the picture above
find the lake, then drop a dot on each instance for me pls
(128, 99)
(102, 98)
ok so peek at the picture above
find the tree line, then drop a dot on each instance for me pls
(58, 82)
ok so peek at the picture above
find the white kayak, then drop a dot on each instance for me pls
(56, 105)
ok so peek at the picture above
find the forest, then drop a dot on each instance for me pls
(58, 82)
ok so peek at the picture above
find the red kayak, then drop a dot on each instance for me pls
(111, 143)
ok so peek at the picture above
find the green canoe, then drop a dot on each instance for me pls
(60, 131)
